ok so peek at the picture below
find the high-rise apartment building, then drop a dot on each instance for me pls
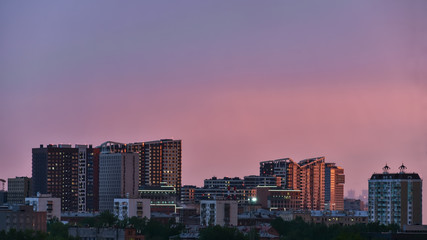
(160, 162)
(321, 184)
(334, 187)
(285, 168)
(18, 189)
(67, 173)
(118, 177)
(312, 183)
(395, 198)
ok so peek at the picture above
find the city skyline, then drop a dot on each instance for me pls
(237, 83)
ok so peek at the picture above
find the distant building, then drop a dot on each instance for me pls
(254, 181)
(395, 198)
(188, 194)
(160, 162)
(70, 173)
(132, 207)
(163, 198)
(3, 197)
(118, 177)
(328, 217)
(18, 189)
(218, 212)
(353, 205)
(225, 182)
(22, 218)
(285, 168)
(334, 187)
(312, 183)
(46, 203)
(105, 233)
(278, 199)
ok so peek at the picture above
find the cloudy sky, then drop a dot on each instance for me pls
(239, 82)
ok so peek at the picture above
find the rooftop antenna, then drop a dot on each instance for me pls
(402, 168)
(386, 168)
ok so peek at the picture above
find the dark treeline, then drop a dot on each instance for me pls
(300, 230)
(56, 230)
(153, 230)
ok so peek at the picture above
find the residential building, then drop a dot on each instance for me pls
(88, 233)
(225, 182)
(188, 194)
(163, 198)
(118, 177)
(312, 183)
(69, 173)
(334, 187)
(3, 197)
(21, 218)
(254, 181)
(395, 198)
(160, 162)
(218, 212)
(285, 168)
(46, 203)
(278, 199)
(132, 207)
(18, 189)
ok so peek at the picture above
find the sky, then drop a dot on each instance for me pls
(238, 82)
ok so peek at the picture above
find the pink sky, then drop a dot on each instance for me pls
(239, 83)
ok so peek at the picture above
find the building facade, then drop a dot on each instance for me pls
(69, 173)
(225, 182)
(132, 207)
(160, 162)
(118, 177)
(395, 198)
(254, 181)
(285, 168)
(312, 183)
(45, 203)
(22, 218)
(218, 212)
(334, 187)
(18, 189)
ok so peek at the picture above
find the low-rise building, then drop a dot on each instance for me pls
(218, 212)
(45, 203)
(132, 207)
(22, 218)
(105, 233)
(278, 199)
(163, 198)
(327, 217)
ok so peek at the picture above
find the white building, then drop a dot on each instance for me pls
(218, 212)
(132, 207)
(395, 198)
(45, 203)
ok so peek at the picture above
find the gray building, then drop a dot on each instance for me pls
(225, 182)
(118, 177)
(18, 189)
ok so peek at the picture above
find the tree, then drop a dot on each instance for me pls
(218, 232)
